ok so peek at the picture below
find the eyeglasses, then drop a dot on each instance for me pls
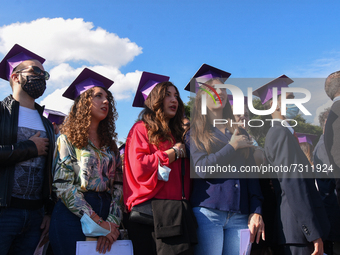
(37, 71)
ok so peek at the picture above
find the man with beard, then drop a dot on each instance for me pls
(26, 153)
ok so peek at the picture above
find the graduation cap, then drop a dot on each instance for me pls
(146, 84)
(306, 138)
(265, 93)
(122, 149)
(54, 116)
(230, 99)
(205, 73)
(86, 79)
(15, 57)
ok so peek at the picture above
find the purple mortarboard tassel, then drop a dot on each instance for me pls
(85, 80)
(205, 73)
(204, 78)
(148, 87)
(87, 84)
(122, 149)
(14, 57)
(265, 93)
(15, 61)
(54, 116)
(306, 138)
(146, 84)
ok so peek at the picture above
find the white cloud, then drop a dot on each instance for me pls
(55, 101)
(124, 86)
(59, 40)
(69, 46)
(5, 89)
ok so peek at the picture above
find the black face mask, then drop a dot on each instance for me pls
(34, 86)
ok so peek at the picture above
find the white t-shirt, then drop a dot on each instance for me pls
(29, 118)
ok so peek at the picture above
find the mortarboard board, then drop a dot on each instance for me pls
(230, 99)
(122, 149)
(15, 57)
(205, 73)
(147, 82)
(54, 116)
(86, 79)
(265, 93)
(306, 138)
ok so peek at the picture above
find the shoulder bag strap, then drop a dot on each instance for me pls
(183, 173)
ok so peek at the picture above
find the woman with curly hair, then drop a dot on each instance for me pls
(86, 163)
(154, 141)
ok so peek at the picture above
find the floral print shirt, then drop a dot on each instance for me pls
(88, 169)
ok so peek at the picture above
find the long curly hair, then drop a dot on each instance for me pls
(77, 124)
(202, 131)
(154, 118)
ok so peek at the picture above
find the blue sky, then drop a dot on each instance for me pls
(249, 39)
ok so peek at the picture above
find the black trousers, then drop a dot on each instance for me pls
(296, 249)
(142, 239)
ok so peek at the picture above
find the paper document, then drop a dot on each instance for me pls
(119, 247)
(245, 244)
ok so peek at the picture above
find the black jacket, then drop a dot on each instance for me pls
(13, 152)
(332, 142)
(301, 216)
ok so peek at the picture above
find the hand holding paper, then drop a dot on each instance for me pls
(119, 247)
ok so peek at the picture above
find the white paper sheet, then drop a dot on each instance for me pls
(119, 247)
(245, 244)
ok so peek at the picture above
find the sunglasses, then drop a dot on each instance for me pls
(37, 71)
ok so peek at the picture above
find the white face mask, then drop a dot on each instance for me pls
(90, 228)
(163, 172)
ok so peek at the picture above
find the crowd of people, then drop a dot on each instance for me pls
(63, 178)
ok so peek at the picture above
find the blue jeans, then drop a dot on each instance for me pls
(65, 227)
(218, 231)
(19, 230)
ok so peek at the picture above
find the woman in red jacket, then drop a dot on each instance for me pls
(154, 140)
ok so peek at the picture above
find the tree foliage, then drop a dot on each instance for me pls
(188, 106)
(259, 134)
